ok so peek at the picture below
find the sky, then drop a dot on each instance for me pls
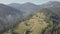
(24, 1)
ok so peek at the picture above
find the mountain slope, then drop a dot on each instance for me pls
(26, 8)
(15, 5)
(8, 11)
(54, 6)
(40, 23)
(51, 4)
(8, 16)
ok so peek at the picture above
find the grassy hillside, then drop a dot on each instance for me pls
(43, 22)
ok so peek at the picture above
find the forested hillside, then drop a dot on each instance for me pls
(43, 22)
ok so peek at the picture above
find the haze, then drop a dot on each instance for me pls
(24, 1)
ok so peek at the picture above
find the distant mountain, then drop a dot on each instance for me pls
(26, 8)
(43, 19)
(15, 5)
(30, 8)
(9, 12)
(51, 4)
(54, 6)
(8, 16)
(43, 22)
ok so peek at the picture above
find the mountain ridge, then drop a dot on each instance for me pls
(40, 22)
